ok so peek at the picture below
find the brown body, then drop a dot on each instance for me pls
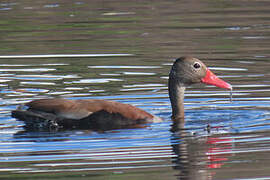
(54, 114)
(78, 109)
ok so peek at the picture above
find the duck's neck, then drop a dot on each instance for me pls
(176, 94)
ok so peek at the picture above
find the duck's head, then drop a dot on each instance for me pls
(188, 70)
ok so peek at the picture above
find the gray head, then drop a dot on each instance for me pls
(187, 70)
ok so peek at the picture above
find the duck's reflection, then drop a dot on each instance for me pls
(189, 153)
(197, 156)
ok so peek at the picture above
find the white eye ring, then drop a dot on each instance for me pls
(197, 65)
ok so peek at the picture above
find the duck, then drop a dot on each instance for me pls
(98, 114)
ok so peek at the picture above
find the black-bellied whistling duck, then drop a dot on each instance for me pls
(104, 115)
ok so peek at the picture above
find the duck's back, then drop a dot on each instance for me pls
(86, 114)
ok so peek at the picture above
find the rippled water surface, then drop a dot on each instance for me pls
(122, 51)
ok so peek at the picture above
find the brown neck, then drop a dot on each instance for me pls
(176, 94)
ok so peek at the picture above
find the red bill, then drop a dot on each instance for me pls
(212, 79)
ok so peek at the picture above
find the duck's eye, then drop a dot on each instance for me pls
(196, 65)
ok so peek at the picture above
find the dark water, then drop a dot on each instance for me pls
(140, 40)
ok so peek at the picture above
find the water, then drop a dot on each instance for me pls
(123, 51)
